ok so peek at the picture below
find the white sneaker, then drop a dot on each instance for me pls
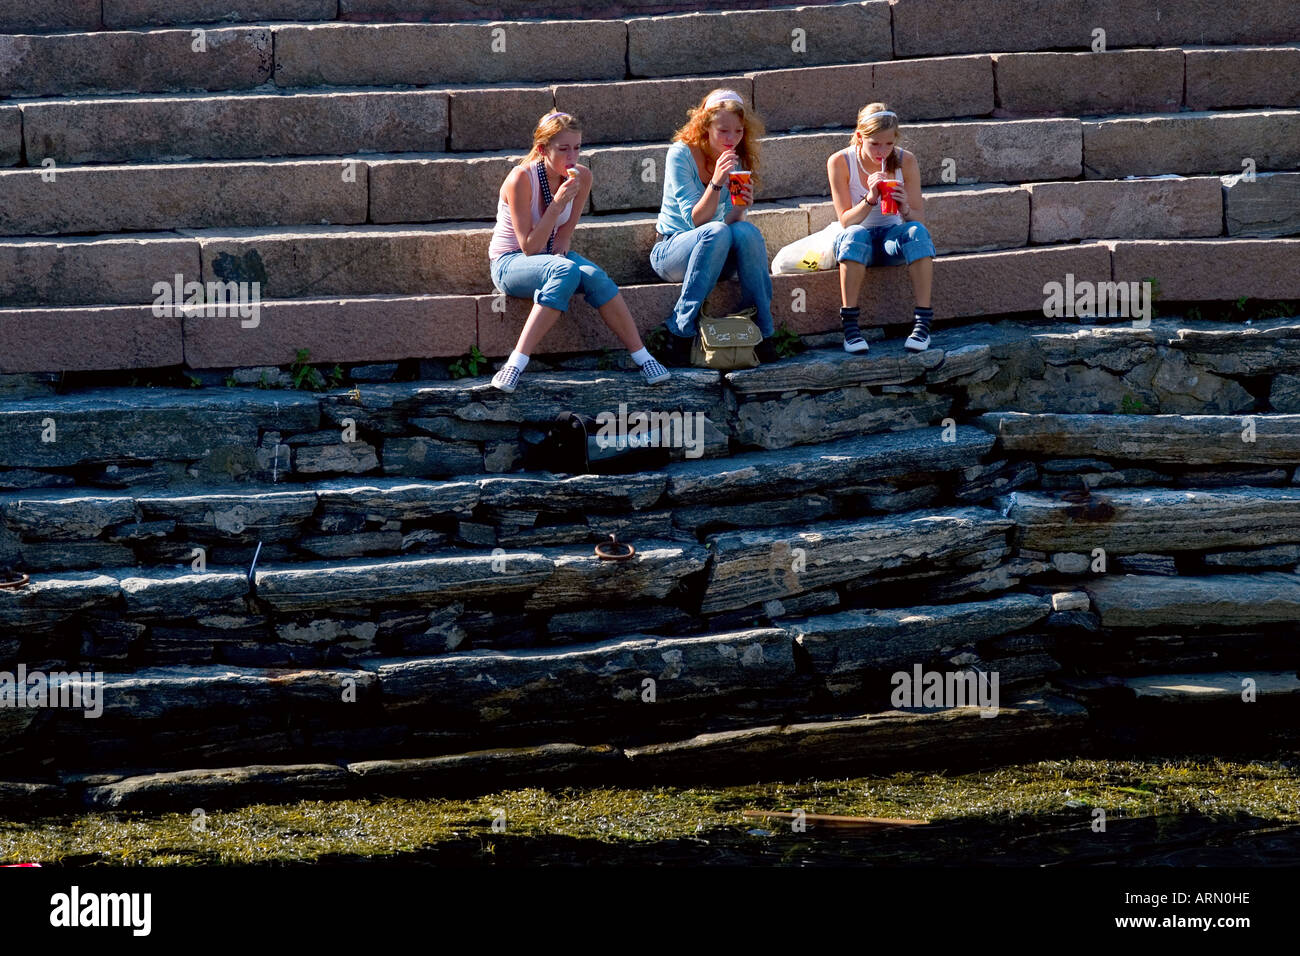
(854, 342)
(506, 379)
(654, 373)
(918, 341)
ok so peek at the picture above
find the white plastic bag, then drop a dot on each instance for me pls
(809, 253)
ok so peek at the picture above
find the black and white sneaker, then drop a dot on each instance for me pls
(853, 340)
(919, 340)
(654, 373)
(506, 379)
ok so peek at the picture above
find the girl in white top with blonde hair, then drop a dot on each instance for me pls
(538, 207)
(861, 175)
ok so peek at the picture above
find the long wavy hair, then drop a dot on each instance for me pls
(548, 127)
(878, 124)
(696, 131)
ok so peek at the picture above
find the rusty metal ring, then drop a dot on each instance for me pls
(611, 551)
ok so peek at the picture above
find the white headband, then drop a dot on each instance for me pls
(722, 95)
(871, 116)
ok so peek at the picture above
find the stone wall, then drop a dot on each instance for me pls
(1055, 504)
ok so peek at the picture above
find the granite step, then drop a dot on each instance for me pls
(346, 330)
(310, 261)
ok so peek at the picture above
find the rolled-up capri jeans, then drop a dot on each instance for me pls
(896, 245)
(552, 280)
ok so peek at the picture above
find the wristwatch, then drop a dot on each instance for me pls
(713, 185)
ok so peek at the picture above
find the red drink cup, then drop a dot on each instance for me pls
(738, 178)
(888, 204)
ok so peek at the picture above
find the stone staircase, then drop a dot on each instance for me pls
(363, 590)
(351, 168)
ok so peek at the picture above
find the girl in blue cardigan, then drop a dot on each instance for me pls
(703, 235)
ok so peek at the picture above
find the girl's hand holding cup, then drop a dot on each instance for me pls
(877, 183)
(742, 191)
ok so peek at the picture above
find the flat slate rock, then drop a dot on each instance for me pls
(64, 515)
(896, 738)
(399, 499)
(1176, 439)
(831, 465)
(841, 646)
(1155, 520)
(483, 769)
(167, 593)
(56, 596)
(438, 578)
(503, 688)
(225, 787)
(577, 492)
(1217, 600)
(824, 369)
(539, 399)
(584, 579)
(1224, 687)
(750, 567)
(144, 424)
(18, 798)
(158, 693)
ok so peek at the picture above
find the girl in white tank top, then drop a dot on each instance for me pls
(871, 237)
(503, 235)
(551, 274)
(858, 190)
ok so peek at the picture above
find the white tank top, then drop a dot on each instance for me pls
(858, 190)
(503, 234)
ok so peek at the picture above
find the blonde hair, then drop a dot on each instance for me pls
(696, 131)
(548, 127)
(877, 124)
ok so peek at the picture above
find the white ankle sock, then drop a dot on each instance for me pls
(518, 359)
(641, 356)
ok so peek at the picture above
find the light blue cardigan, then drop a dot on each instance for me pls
(682, 190)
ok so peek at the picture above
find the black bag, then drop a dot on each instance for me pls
(571, 447)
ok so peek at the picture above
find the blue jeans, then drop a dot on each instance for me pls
(699, 258)
(896, 245)
(552, 280)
